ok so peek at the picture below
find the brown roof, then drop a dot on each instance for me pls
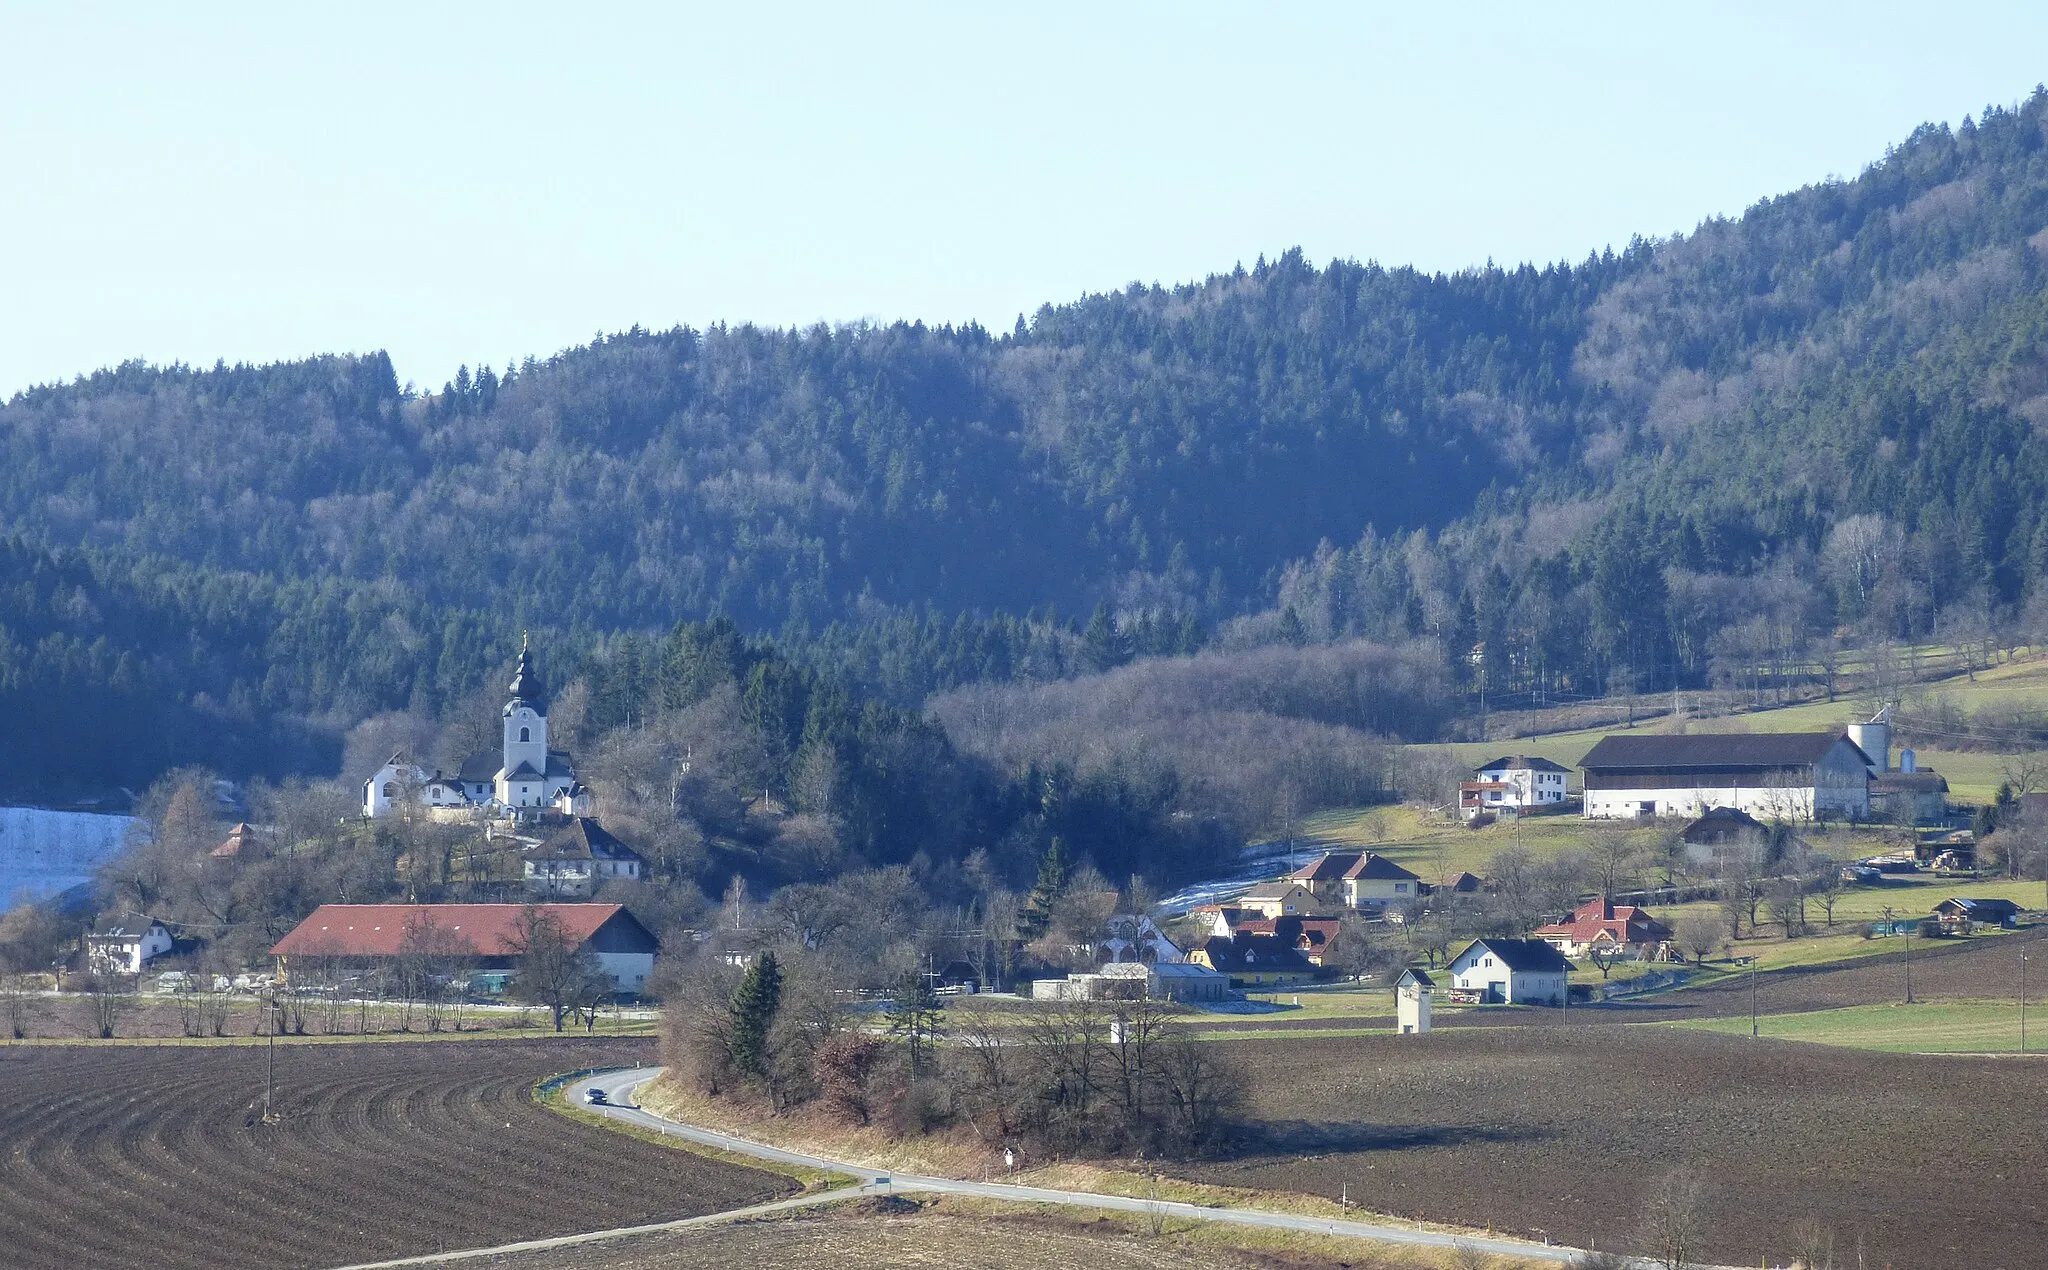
(377, 930)
(583, 839)
(1351, 864)
(238, 838)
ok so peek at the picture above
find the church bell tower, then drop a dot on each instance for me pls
(526, 738)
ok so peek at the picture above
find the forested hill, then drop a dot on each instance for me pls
(316, 538)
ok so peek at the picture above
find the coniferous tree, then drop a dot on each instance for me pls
(1036, 918)
(754, 1004)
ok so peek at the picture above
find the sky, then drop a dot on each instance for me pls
(471, 185)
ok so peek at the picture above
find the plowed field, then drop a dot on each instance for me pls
(1931, 1161)
(159, 1158)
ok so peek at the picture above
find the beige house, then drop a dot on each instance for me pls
(1285, 898)
(1357, 879)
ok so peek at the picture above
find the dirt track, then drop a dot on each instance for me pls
(157, 1158)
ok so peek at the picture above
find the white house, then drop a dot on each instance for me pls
(577, 859)
(1136, 937)
(1774, 776)
(1516, 783)
(1511, 971)
(523, 777)
(124, 945)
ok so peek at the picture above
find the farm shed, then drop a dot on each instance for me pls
(358, 937)
(1779, 776)
(1511, 971)
(1958, 915)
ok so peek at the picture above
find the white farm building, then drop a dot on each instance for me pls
(1782, 776)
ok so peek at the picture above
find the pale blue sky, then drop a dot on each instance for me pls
(475, 184)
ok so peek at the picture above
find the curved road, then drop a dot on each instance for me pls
(619, 1088)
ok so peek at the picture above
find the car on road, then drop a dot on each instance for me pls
(595, 1097)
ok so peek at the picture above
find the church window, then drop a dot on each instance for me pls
(390, 790)
(525, 734)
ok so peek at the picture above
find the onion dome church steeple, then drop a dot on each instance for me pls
(525, 684)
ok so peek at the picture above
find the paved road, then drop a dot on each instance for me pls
(619, 1087)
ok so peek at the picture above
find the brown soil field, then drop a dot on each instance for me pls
(1932, 1162)
(157, 1157)
(913, 1242)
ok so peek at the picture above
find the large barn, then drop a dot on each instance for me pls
(481, 936)
(1774, 776)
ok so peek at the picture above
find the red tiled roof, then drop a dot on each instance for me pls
(377, 930)
(1624, 922)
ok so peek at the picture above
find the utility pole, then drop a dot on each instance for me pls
(2023, 1000)
(1751, 962)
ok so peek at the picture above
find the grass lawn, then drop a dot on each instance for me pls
(1946, 1027)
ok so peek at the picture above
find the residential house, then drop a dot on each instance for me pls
(1461, 883)
(1412, 992)
(1362, 880)
(1515, 783)
(1779, 776)
(1602, 925)
(1313, 937)
(1960, 916)
(1254, 961)
(359, 937)
(1511, 972)
(1136, 937)
(1286, 898)
(1219, 921)
(124, 944)
(578, 858)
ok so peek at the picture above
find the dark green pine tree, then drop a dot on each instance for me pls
(754, 1004)
(1052, 879)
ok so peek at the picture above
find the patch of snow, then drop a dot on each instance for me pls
(43, 852)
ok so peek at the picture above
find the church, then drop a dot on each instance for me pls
(522, 779)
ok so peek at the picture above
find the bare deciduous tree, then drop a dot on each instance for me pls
(1674, 1219)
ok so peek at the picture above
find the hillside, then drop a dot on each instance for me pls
(1697, 458)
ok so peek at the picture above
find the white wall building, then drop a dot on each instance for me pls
(1782, 776)
(1518, 782)
(523, 777)
(1411, 1002)
(124, 945)
(1512, 972)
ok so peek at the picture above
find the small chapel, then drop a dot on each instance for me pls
(523, 779)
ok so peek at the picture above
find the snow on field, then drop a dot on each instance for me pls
(1261, 862)
(43, 852)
